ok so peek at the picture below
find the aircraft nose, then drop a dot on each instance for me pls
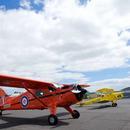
(83, 91)
(81, 94)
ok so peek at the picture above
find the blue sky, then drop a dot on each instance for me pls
(106, 60)
(108, 74)
(15, 4)
(10, 4)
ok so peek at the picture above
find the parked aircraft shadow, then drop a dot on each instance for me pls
(100, 107)
(17, 121)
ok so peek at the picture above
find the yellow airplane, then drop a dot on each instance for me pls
(104, 95)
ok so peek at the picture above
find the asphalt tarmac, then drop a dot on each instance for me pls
(94, 117)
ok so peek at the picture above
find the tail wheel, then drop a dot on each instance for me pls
(114, 104)
(52, 119)
(75, 114)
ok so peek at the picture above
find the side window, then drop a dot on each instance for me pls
(51, 89)
(39, 93)
(119, 96)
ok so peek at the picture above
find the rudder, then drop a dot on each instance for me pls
(2, 96)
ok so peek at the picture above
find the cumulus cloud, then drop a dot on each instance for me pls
(94, 43)
(64, 37)
(38, 2)
(26, 4)
(116, 84)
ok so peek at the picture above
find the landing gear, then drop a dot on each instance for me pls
(1, 113)
(52, 119)
(75, 114)
(114, 104)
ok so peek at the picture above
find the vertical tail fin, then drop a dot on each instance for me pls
(2, 96)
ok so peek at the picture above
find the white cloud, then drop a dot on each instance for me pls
(2, 7)
(116, 84)
(26, 4)
(38, 2)
(65, 36)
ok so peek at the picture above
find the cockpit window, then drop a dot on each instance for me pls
(57, 85)
(119, 96)
(51, 89)
(39, 93)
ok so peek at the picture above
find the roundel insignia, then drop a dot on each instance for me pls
(24, 101)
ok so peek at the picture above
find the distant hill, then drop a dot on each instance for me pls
(126, 92)
(126, 89)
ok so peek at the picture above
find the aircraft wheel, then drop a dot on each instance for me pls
(114, 104)
(52, 119)
(0, 113)
(75, 114)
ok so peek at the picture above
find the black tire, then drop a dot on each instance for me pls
(0, 113)
(75, 114)
(114, 104)
(52, 120)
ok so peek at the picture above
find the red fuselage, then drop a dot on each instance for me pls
(59, 97)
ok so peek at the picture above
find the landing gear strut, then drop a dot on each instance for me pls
(75, 114)
(52, 119)
(114, 104)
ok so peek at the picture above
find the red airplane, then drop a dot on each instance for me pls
(41, 95)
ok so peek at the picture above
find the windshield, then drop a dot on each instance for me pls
(57, 85)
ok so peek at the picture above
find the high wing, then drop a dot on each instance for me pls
(10, 81)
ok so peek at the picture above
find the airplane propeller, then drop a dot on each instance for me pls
(79, 91)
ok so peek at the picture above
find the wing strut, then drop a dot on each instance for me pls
(25, 86)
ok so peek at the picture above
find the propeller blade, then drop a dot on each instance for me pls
(84, 85)
(76, 91)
